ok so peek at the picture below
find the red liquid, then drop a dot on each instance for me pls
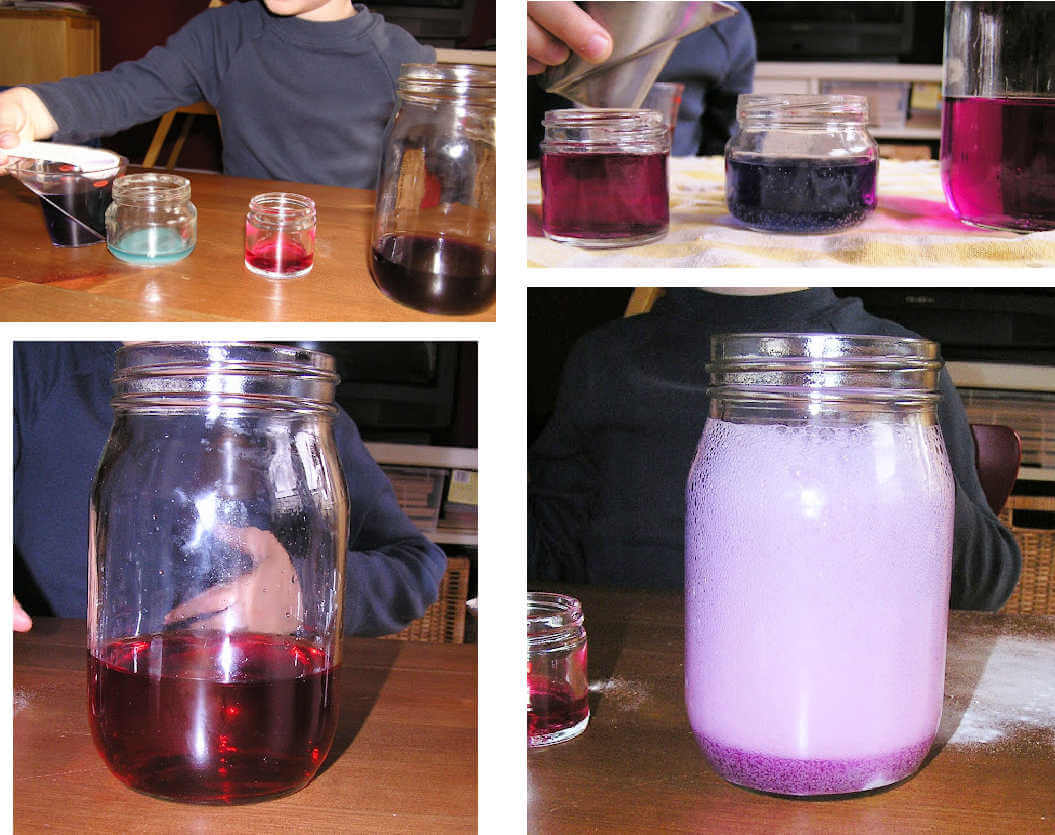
(553, 707)
(438, 274)
(605, 197)
(998, 161)
(208, 718)
(280, 257)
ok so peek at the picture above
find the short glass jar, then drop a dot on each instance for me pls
(801, 164)
(604, 177)
(151, 221)
(280, 235)
(558, 706)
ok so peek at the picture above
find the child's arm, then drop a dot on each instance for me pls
(23, 118)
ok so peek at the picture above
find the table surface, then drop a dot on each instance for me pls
(636, 767)
(404, 758)
(41, 282)
(911, 227)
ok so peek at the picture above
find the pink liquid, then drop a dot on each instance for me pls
(817, 571)
(281, 256)
(558, 695)
(998, 161)
(202, 718)
(604, 198)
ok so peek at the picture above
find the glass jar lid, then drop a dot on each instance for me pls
(612, 130)
(801, 110)
(454, 82)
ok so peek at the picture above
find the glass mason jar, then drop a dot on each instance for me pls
(218, 530)
(434, 226)
(151, 220)
(818, 557)
(998, 117)
(801, 164)
(604, 177)
(280, 235)
(558, 706)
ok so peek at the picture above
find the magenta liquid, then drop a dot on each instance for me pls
(282, 254)
(998, 161)
(817, 570)
(558, 694)
(604, 199)
(208, 718)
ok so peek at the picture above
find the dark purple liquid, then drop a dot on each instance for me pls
(194, 717)
(786, 775)
(800, 195)
(553, 707)
(86, 203)
(998, 161)
(605, 197)
(437, 274)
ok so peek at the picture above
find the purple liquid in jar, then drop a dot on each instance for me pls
(998, 161)
(605, 199)
(799, 195)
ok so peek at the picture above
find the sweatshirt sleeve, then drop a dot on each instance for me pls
(392, 571)
(181, 72)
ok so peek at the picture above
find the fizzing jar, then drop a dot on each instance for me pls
(218, 530)
(801, 164)
(434, 226)
(558, 707)
(998, 117)
(604, 177)
(280, 235)
(151, 221)
(818, 556)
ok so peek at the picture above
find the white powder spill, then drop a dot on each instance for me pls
(621, 693)
(1016, 691)
(21, 700)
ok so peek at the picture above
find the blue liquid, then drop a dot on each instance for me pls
(802, 196)
(151, 247)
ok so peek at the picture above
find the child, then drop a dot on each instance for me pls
(303, 88)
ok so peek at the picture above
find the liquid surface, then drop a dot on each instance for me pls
(817, 571)
(281, 258)
(434, 273)
(605, 197)
(998, 161)
(800, 195)
(208, 718)
(86, 203)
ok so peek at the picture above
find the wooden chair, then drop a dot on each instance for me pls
(1032, 520)
(997, 456)
(641, 300)
(165, 125)
(444, 621)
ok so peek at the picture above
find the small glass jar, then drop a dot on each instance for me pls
(558, 707)
(433, 243)
(151, 221)
(280, 235)
(818, 558)
(801, 164)
(604, 177)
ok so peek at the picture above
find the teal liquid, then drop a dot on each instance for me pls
(151, 247)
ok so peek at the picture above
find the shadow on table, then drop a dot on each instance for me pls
(359, 691)
(602, 660)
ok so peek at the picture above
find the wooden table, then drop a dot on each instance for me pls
(41, 282)
(404, 758)
(637, 767)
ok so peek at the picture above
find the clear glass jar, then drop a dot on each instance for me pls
(818, 557)
(801, 164)
(998, 117)
(280, 235)
(151, 220)
(218, 530)
(558, 690)
(434, 226)
(604, 177)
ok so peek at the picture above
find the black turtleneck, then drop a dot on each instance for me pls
(606, 489)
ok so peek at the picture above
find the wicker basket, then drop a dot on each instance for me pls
(444, 621)
(1035, 592)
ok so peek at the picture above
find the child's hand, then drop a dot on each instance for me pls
(20, 621)
(23, 118)
(553, 28)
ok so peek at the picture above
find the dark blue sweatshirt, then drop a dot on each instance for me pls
(62, 419)
(298, 100)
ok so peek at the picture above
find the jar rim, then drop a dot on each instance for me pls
(552, 616)
(802, 108)
(282, 208)
(449, 81)
(627, 130)
(151, 187)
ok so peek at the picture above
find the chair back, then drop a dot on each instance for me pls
(1032, 520)
(444, 621)
(997, 456)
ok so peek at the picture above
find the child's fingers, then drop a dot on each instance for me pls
(570, 25)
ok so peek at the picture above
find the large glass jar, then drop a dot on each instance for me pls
(818, 556)
(801, 164)
(604, 177)
(434, 226)
(998, 117)
(216, 562)
(151, 220)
